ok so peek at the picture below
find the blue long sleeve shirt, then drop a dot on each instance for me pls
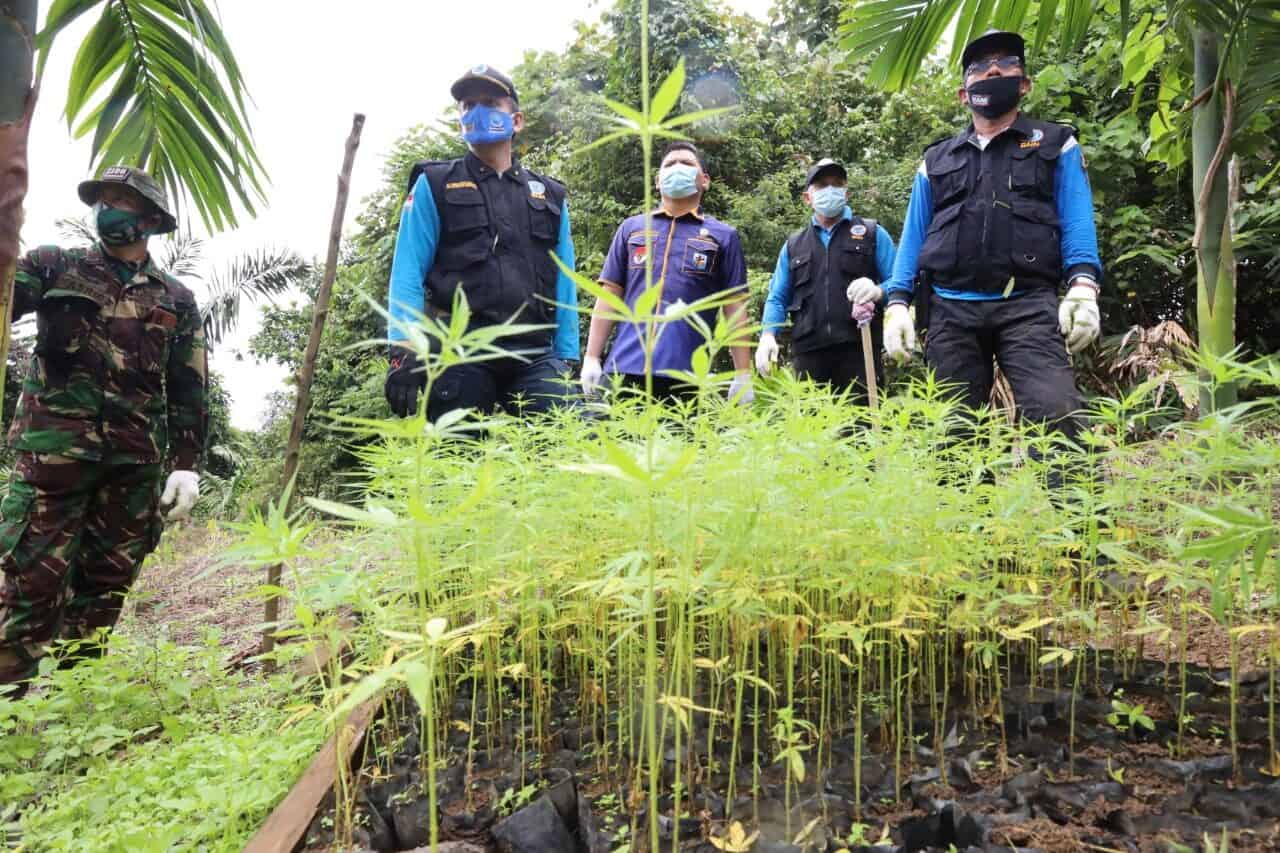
(1074, 202)
(780, 286)
(416, 251)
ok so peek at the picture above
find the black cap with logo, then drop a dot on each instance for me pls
(822, 167)
(483, 78)
(994, 42)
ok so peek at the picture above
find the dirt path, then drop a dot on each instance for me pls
(185, 595)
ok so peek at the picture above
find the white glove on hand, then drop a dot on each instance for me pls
(863, 290)
(1078, 317)
(181, 489)
(740, 390)
(899, 333)
(592, 375)
(766, 353)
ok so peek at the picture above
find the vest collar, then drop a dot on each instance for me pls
(481, 170)
(1021, 126)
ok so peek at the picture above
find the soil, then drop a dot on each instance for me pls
(1125, 790)
(183, 594)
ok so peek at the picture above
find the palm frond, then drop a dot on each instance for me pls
(76, 229)
(182, 254)
(157, 84)
(265, 274)
(902, 34)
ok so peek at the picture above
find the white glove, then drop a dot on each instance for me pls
(766, 353)
(592, 375)
(740, 390)
(899, 333)
(181, 489)
(1078, 317)
(863, 290)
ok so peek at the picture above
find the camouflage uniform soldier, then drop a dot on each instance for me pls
(115, 390)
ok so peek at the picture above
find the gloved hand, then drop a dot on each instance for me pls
(592, 375)
(404, 380)
(1078, 317)
(182, 489)
(740, 390)
(899, 333)
(863, 290)
(863, 312)
(766, 353)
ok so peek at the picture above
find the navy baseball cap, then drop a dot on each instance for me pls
(822, 167)
(993, 42)
(483, 78)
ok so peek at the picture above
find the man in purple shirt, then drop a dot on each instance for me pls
(696, 256)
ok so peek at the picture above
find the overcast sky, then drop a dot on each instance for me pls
(309, 65)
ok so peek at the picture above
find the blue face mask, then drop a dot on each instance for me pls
(482, 125)
(829, 201)
(678, 180)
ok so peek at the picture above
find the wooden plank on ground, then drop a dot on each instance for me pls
(286, 826)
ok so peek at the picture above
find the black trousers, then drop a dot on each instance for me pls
(840, 366)
(515, 386)
(1021, 335)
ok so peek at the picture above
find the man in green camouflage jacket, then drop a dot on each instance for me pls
(114, 395)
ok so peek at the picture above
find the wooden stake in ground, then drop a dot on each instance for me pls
(308, 371)
(17, 101)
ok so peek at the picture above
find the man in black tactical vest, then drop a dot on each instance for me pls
(1000, 216)
(487, 226)
(821, 269)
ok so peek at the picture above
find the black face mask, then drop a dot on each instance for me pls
(992, 97)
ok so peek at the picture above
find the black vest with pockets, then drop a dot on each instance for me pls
(497, 236)
(820, 275)
(994, 216)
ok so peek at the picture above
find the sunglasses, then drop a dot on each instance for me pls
(980, 66)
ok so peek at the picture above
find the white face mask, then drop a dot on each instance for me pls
(829, 201)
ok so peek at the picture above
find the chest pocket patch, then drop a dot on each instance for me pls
(700, 257)
(637, 250)
(464, 210)
(1031, 171)
(544, 219)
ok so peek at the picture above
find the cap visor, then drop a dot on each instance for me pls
(88, 191)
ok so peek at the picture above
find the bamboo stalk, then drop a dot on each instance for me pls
(307, 373)
(17, 102)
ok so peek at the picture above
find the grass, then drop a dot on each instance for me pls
(153, 747)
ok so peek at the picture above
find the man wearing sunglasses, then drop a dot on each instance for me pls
(1000, 217)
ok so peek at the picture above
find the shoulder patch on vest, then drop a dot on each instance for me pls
(537, 189)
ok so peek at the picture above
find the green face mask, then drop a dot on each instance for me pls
(118, 227)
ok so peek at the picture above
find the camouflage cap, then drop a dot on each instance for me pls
(138, 181)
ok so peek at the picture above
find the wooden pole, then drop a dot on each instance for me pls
(869, 364)
(17, 102)
(303, 403)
